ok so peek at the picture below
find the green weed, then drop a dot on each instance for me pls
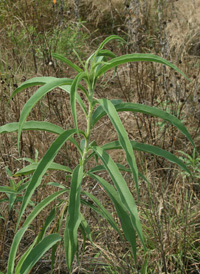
(87, 76)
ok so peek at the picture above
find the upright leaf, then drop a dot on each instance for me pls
(127, 225)
(122, 188)
(123, 137)
(74, 217)
(42, 168)
(73, 93)
(38, 251)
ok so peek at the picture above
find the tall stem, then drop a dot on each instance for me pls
(87, 137)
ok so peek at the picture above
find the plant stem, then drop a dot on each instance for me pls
(87, 137)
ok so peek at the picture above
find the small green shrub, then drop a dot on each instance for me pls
(94, 109)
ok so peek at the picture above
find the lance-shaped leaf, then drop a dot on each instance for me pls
(78, 98)
(38, 251)
(136, 57)
(35, 98)
(44, 80)
(13, 250)
(150, 149)
(36, 81)
(85, 227)
(42, 168)
(108, 39)
(66, 61)
(7, 189)
(73, 93)
(38, 125)
(40, 236)
(122, 188)
(101, 168)
(74, 217)
(132, 107)
(99, 51)
(20, 233)
(32, 125)
(32, 167)
(106, 53)
(39, 207)
(122, 136)
(100, 209)
(124, 216)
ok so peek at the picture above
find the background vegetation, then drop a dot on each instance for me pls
(169, 204)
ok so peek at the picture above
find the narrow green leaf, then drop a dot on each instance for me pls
(39, 207)
(47, 223)
(86, 228)
(8, 190)
(150, 149)
(135, 57)
(123, 137)
(56, 185)
(122, 188)
(66, 61)
(13, 250)
(32, 125)
(108, 39)
(78, 98)
(106, 53)
(73, 93)
(29, 219)
(101, 167)
(36, 81)
(125, 219)
(32, 167)
(42, 168)
(35, 98)
(101, 210)
(37, 125)
(74, 217)
(23, 257)
(38, 251)
(146, 110)
(12, 199)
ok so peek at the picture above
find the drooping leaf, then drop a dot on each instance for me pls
(146, 110)
(32, 167)
(32, 125)
(108, 39)
(35, 98)
(136, 57)
(7, 189)
(67, 61)
(150, 149)
(36, 81)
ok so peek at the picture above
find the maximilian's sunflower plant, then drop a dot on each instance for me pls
(94, 109)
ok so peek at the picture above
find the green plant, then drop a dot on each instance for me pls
(14, 192)
(94, 109)
(192, 162)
